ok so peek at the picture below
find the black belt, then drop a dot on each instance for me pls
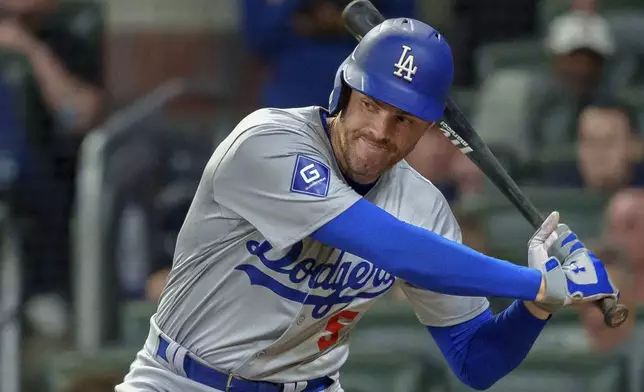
(202, 374)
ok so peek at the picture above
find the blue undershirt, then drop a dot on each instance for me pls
(479, 351)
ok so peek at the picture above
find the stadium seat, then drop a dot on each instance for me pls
(502, 107)
(64, 368)
(562, 371)
(549, 9)
(393, 373)
(465, 98)
(526, 54)
(627, 69)
(391, 326)
(508, 232)
(135, 322)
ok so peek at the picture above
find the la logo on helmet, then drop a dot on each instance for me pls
(405, 64)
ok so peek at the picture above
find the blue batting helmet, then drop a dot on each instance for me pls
(403, 62)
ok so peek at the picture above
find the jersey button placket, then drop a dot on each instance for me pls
(260, 354)
(301, 320)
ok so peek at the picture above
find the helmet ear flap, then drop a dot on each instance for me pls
(345, 93)
(340, 94)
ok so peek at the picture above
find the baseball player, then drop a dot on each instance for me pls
(305, 216)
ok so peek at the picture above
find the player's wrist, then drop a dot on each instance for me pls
(541, 294)
(536, 310)
(534, 307)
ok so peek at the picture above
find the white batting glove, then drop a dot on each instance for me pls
(572, 274)
(538, 247)
(542, 240)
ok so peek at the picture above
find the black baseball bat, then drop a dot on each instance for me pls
(359, 17)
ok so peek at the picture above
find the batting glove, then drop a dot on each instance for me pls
(572, 273)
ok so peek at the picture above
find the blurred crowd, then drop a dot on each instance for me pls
(569, 114)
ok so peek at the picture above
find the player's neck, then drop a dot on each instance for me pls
(334, 138)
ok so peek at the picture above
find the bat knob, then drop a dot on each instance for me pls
(615, 316)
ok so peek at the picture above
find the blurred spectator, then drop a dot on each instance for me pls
(602, 338)
(71, 100)
(608, 152)
(625, 227)
(432, 158)
(579, 45)
(583, 5)
(438, 160)
(472, 231)
(70, 87)
(302, 42)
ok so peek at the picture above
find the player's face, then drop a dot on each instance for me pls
(371, 136)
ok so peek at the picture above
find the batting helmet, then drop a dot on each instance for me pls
(403, 62)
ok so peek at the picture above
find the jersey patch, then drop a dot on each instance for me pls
(310, 177)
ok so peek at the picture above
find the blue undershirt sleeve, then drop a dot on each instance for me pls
(424, 258)
(484, 349)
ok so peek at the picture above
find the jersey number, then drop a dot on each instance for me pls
(335, 324)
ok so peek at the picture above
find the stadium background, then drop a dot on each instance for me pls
(110, 165)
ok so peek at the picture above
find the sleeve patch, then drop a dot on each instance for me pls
(310, 177)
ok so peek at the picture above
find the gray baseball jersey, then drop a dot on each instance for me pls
(250, 292)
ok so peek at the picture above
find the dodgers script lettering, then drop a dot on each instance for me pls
(291, 276)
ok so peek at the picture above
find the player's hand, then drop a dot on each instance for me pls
(542, 240)
(573, 274)
(538, 247)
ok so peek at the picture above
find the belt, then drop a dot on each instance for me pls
(205, 375)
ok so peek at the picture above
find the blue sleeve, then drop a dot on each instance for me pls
(424, 258)
(483, 350)
(265, 25)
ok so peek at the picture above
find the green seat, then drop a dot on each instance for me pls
(135, 322)
(391, 327)
(508, 232)
(393, 373)
(562, 371)
(634, 97)
(516, 54)
(465, 98)
(564, 332)
(502, 108)
(549, 9)
(65, 367)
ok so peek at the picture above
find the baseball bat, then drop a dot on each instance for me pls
(359, 17)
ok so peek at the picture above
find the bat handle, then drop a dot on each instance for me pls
(614, 314)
